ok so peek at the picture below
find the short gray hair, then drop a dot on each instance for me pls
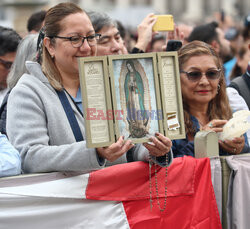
(26, 51)
(100, 20)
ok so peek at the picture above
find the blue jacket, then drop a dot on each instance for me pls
(10, 161)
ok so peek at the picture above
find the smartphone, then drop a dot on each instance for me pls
(173, 45)
(164, 23)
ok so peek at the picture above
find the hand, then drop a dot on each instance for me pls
(215, 125)
(159, 146)
(174, 35)
(234, 146)
(116, 150)
(145, 32)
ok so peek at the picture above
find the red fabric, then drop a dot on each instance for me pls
(190, 197)
(130, 181)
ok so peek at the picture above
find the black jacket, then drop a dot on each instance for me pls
(242, 85)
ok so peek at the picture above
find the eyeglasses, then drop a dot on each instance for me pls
(6, 64)
(212, 74)
(78, 40)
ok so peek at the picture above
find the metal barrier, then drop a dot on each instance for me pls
(206, 145)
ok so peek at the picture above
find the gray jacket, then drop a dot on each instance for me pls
(38, 128)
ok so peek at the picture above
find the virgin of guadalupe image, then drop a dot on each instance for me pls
(137, 106)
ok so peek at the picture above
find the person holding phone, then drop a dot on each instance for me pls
(205, 101)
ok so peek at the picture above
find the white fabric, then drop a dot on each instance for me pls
(72, 187)
(56, 204)
(237, 103)
(238, 210)
(25, 212)
(2, 94)
(216, 177)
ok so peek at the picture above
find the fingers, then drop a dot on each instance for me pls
(182, 37)
(159, 145)
(175, 34)
(215, 125)
(150, 16)
(239, 140)
(164, 47)
(170, 35)
(116, 150)
(166, 141)
(117, 145)
(144, 31)
(230, 149)
(153, 151)
(152, 20)
(179, 35)
(126, 147)
(234, 146)
(149, 19)
(216, 129)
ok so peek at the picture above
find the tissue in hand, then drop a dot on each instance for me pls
(236, 126)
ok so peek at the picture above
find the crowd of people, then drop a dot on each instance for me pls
(41, 117)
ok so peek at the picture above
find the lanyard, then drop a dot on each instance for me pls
(74, 103)
(70, 115)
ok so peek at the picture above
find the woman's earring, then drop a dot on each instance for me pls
(218, 88)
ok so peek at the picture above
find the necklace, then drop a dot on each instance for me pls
(151, 163)
(201, 124)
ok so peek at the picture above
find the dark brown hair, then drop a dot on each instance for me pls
(218, 108)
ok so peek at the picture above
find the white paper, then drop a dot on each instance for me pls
(236, 126)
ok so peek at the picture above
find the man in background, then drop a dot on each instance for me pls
(157, 42)
(110, 42)
(213, 35)
(35, 21)
(9, 40)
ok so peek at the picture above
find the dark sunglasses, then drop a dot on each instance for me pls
(6, 64)
(212, 74)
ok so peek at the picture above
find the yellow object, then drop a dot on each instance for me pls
(164, 23)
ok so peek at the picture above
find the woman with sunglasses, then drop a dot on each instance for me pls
(44, 113)
(205, 102)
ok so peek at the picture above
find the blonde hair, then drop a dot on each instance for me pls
(218, 107)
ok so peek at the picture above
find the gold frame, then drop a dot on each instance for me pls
(106, 87)
(180, 133)
(158, 59)
(157, 89)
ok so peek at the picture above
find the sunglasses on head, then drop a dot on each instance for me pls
(6, 64)
(196, 75)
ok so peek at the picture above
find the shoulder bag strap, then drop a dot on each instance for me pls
(70, 115)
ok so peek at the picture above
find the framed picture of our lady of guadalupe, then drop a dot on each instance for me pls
(132, 96)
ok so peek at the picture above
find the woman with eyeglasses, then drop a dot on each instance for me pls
(205, 102)
(44, 113)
